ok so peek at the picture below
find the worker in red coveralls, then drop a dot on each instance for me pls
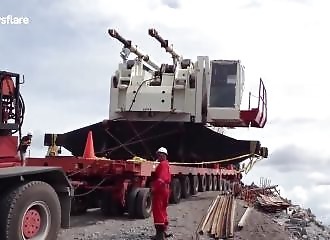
(160, 194)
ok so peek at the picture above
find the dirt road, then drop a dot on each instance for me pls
(184, 218)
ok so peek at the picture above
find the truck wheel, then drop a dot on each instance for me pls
(194, 185)
(130, 202)
(143, 203)
(202, 183)
(175, 196)
(30, 211)
(185, 186)
(209, 183)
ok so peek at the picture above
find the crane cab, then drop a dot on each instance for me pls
(226, 89)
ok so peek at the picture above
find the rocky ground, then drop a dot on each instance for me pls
(185, 217)
(302, 224)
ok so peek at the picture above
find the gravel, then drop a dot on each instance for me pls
(184, 219)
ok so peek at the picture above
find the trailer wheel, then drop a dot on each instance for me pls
(185, 187)
(30, 211)
(110, 206)
(175, 196)
(209, 183)
(194, 185)
(218, 183)
(202, 183)
(225, 186)
(78, 204)
(214, 183)
(130, 202)
(143, 203)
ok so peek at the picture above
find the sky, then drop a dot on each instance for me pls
(68, 58)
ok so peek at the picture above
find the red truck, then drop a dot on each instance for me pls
(35, 201)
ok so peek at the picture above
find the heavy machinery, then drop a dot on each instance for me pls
(176, 106)
(34, 201)
(170, 105)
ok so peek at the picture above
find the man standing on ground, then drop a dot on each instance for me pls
(160, 194)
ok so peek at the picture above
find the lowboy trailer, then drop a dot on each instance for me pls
(178, 106)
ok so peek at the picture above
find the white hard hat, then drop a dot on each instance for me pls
(162, 150)
(29, 133)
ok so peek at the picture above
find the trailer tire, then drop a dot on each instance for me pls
(111, 207)
(218, 183)
(175, 195)
(143, 203)
(185, 187)
(78, 204)
(31, 209)
(223, 186)
(194, 185)
(214, 183)
(209, 183)
(131, 202)
(202, 183)
(78, 207)
(226, 186)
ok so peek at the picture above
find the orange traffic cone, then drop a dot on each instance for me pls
(89, 147)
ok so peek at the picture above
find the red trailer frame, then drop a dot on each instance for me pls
(117, 186)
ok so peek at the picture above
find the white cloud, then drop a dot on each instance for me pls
(317, 176)
(300, 194)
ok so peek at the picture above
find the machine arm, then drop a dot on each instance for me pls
(164, 44)
(128, 44)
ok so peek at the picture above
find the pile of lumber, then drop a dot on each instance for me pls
(271, 203)
(219, 219)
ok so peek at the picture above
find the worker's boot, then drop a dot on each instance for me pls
(168, 235)
(160, 233)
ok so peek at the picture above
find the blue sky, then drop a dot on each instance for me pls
(68, 58)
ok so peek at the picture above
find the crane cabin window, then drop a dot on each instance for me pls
(223, 84)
